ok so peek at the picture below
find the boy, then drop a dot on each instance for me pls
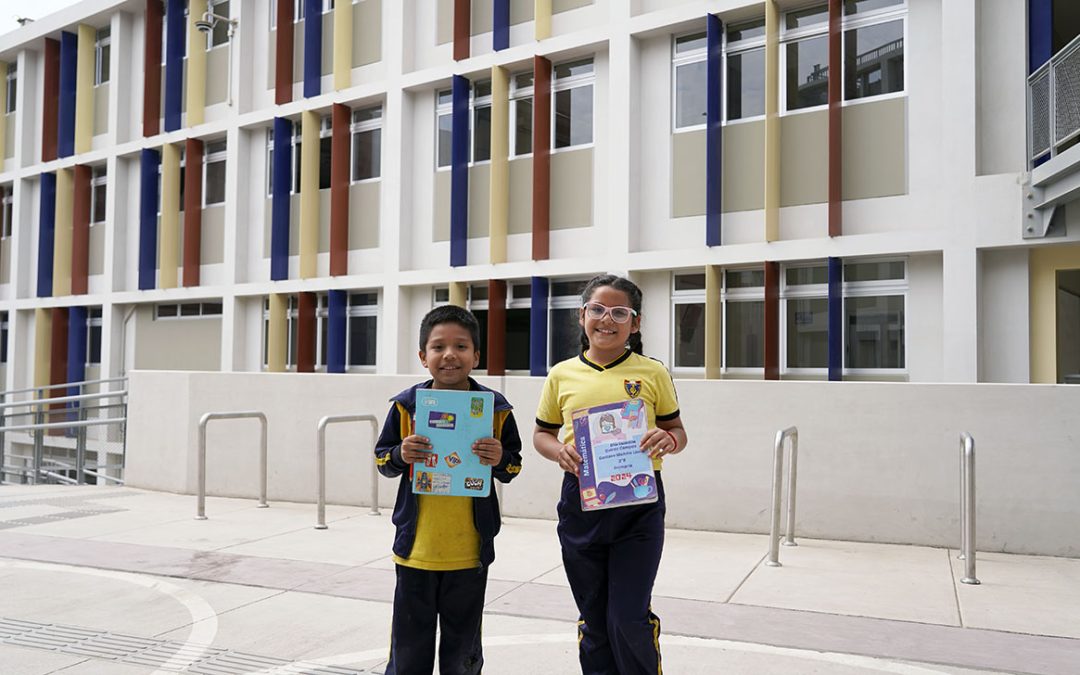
(443, 544)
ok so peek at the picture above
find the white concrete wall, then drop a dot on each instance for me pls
(877, 462)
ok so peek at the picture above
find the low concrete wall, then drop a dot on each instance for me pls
(878, 462)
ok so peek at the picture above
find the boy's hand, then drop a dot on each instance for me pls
(489, 450)
(415, 448)
(569, 459)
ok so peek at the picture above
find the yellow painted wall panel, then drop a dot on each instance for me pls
(42, 346)
(65, 202)
(459, 293)
(169, 238)
(542, 20)
(277, 336)
(712, 322)
(196, 65)
(1044, 264)
(309, 195)
(499, 196)
(84, 89)
(343, 41)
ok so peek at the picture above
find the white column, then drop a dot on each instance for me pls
(616, 130)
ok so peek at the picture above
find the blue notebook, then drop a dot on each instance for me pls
(453, 420)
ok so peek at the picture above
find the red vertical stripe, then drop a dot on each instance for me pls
(283, 75)
(772, 321)
(193, 184)
(50, 105)
(835, 122)
(58, 353)
(462, 29)
(152, 69)
(341, 118)
(80, 231)
(305, 334)
(496, 327)
(541, 146)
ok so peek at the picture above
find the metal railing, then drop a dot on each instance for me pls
(200, 509)
(320, 461)
(967, 508)
(792, 434)
(1053, 103)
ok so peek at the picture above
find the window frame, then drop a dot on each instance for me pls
(359, 127)
(212, 7)
(102, 45)
(99, 178)
(94, 324)
(322, 317)
(295, 144)
(11, 85)
(165, 30)
(218, 156)
(204, 312)
(7, 199)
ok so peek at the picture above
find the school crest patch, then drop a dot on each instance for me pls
(632, 387)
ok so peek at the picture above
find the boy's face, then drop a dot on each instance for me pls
(450, 356)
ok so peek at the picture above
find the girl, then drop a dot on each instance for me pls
(611, 556)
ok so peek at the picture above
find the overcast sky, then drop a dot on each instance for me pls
(34, 9)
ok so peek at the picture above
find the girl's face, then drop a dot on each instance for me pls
(605, 334)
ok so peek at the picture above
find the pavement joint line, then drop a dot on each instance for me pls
(746, 577)
(955, 590)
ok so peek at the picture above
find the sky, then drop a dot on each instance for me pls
(34, 9)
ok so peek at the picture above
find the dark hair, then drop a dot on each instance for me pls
(449, 314)
(620, 284)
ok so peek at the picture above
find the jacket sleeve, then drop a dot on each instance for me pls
(510, 466)
(388, 447)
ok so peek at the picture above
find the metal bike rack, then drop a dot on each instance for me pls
(791, 433)
(200, 511)
(967, 508)
(321, 465)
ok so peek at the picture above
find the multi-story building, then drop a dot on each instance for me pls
(854, 189)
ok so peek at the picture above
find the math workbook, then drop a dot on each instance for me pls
(614, 470)
(453, 420)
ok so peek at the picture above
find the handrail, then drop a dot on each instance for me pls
(62, 386)
(320, 462)
(967, 508)
(200, 510)
(778, 481)
(63, 399)
(65, 425)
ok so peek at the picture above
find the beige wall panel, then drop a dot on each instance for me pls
(479, 201)
(567, 5)
(875, 149)
(482, 19)
(97, 249)
(367, 33)
(744, 167)
(298, 53)
(183, 94)
(646, 6)
(521, 11)
(441, 231)
(688, 174)
(327, 43)
(5, 260)
(212, 237)
(520, 197)
(804, 158)
(444, 21)
(178, 344)
(364, 208)
(101, 109)
(271, 60)
(294, 226)
(9, 136)
(571, 189)
(217, 74)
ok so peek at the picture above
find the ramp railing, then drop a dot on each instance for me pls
(320, 462)
(200, 508)
(790, 434)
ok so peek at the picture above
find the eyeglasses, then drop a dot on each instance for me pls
(619, 314)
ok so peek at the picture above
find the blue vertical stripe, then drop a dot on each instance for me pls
(46, 235)
(459, 173)
(836, 319)
(501, 35)
(335, 341)
(538, 327)
(69, 62)
(1040, 33)
(312, 48)
(76, 360)
(714, 148)
(174, 63)
(148, 218)
(281, 189)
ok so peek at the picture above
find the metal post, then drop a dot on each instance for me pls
(963, 500)
(80, 449)
(200, 499)
(200, 508)
(320, 465)
(39, 441)
(777, 488)
(793, 457)
(967, 449)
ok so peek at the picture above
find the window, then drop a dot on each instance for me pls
(366, 143)
(220, 34)
(12, 86)
(7, 196)
(298, 10)
(521, 114)
(805, 301)
(296, 144)
(744, 319)
(479, 127)
(187, 310)
(98, 194)
(326, 153)
(102, 51)
(93, 336)
(165, 30)
(361, 330)
(690, 80)
(874, 322)
(744, 75)
(573, 103)
(518, 318)
(214, 173)
(688, 320)
(564, 331)
(3, 337)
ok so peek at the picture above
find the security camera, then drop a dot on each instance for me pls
(205, 25)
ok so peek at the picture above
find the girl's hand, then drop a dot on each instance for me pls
(415, 449)
(489, 450)
(658, 442)
(569, 459)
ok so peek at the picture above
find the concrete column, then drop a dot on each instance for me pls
(960, 309)
(613, 129)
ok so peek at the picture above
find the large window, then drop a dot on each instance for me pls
(521, 114)
(744, 74)
(518, 302)
(99, 187)
(7, 199)
(294, 169)
(93, 336)
(3, 336)
(874, 316)
(187, 310)
(564, 310)
(12, 87)
(214, 173)
(573, 103)
(688, 320)
(361, 330)
(102, 50)
(220, 34)
(366, 143)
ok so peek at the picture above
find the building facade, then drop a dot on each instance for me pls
(844, 190)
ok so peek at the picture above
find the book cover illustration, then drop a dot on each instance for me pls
(453, 420)
(614, 470)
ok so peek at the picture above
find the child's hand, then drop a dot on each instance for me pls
(658, 443)
(489, 450)
(415, 449)
(569, 459)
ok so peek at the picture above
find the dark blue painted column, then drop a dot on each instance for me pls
(335, 340)
(459, 173)
(836, 319)
(69, 60)
(281, 189)
(46, 235)
(174, 63)
(1040, 33)
(76, 360)
(148, 218)
(501, 16)
(312, 48)
(714, 148)
(538, 327)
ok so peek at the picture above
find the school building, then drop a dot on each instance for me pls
(880, 190)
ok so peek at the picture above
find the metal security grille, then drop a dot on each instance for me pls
(1039, 95)
(1067, 93)
(1054, 104)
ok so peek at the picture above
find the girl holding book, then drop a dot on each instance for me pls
(611, 556)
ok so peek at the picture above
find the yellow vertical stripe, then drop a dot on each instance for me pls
(84, 89)
(3, 117)
(343, 42)
(42, 346)
(196, 64)
(542, 19)
(772, 121)
(459, 293)
(65, 201)
(1044, 263)
(170, 216)
(712, 322)
(277, 333)
(309, 195)
(500, 167)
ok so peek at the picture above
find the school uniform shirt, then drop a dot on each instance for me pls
(579, 383)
